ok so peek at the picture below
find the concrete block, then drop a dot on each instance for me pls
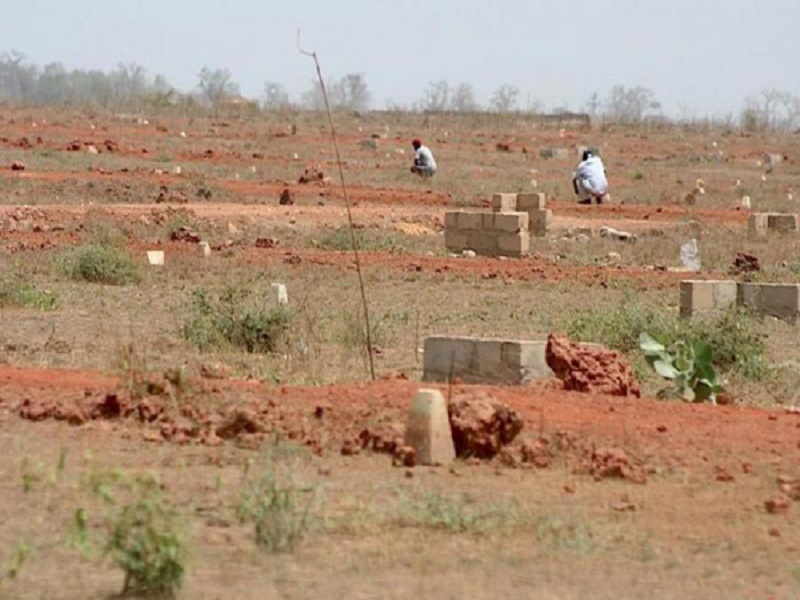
(456, 240)
(532, 201)
(504, 202)
(428, 429)
(487, 223)
(540, 221)
(514, 244)
(483, 242)
(468, 220)
(780, 300)
(532, 360)
(706, 297)
(204, 249)
(155, 257)
(511, 222)
(446, 354)
(555, 153)
(758, 224)
(451, 220)
(484, 360)
(782, 222)
(773, 159)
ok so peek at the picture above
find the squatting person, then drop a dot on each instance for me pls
(424, 164)
(589, 180)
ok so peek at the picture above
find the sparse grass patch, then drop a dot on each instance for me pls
(459, 514)
(234, 319)
(101, 263)
(17, 293)
(282, 510)
(366, 241)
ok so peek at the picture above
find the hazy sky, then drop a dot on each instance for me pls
(699, 56)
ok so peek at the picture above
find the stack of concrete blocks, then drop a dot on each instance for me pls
(487, 233)
(484, 360)
(780, 300)
(540, 218)
(761, 224)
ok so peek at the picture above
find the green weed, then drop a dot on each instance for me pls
(234, 319)
(367, 241)
(17, 293)
(281, 509)
(140, 532)
(458, 514)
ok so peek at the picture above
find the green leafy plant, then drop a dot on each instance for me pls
(234, 319)
(687, 363)
(281, 510)
(140, 532)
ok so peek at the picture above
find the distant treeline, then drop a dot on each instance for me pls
(129, 87)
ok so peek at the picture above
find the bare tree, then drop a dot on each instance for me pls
(436, 97)
(463, 99)
(504, 100)
(216, 84)
(352, 92)
(594, 104)
(275, 96)
(772, 109)
(630, 105)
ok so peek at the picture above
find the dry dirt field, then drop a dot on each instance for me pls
(105, 384)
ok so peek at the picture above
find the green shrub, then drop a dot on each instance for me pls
(100, 263)
(14, 292)
(281, 510)
(733, 335)
(140, 533)
(235, 320)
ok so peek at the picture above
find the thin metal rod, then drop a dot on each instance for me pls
(313, 55)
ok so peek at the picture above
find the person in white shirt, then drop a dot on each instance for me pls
(589, 180)
(424, 163)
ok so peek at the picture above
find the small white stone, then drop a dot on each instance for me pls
(155, 257)
(281, 294)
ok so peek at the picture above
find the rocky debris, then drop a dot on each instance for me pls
(778, 505)
(25, 219)
(537, 453)
(25, 144)
(745, 263)
(503, 147)
(615, 234)
(214, 371)
(239, 421)
(590, 368)
(184, 233)
(350, 448)
(286, 197)
(384, 437)
(604, 463)
(723, 475)
(481, 426)
(17, 166)
(204, 193)
(790, 486)
(404, 456)
(266, 243)
(75, 146)
(312, 175)
(428, 429)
